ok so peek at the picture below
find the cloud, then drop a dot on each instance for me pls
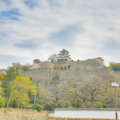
(30, 44)
(36, 29)
(65, 37)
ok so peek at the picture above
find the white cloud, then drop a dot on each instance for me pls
(99, 19)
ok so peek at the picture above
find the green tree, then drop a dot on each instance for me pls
(7, 83)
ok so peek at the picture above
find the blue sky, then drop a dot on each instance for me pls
(32, 29)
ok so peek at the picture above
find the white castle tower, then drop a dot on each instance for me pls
(62, 56)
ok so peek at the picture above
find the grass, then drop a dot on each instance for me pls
(22, 115)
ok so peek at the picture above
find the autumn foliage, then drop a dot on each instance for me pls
(1, 76)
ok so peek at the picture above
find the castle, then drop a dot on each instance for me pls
(62, 56)
(63, 60)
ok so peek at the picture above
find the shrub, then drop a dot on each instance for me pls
(55, 105)
(49, 107)
(38, 107)
(101, 105)
(67, 105)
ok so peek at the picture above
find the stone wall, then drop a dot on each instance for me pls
(74, 73)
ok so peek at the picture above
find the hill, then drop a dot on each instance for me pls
(89, 79)
(63, 82)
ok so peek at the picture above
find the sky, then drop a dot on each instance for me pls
(31, 29)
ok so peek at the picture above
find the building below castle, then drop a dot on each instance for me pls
(62, 56)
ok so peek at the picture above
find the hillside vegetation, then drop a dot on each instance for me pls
(49, 85)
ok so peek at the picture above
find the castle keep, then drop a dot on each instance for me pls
(62, 56)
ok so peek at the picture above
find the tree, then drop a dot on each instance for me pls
(25, 67)
(16, 88)
(95, 92)
(20, 89)
(17, 66)
(44, 97)
(36, 61)
(7, 83)
(74, 98)
(1, 76)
